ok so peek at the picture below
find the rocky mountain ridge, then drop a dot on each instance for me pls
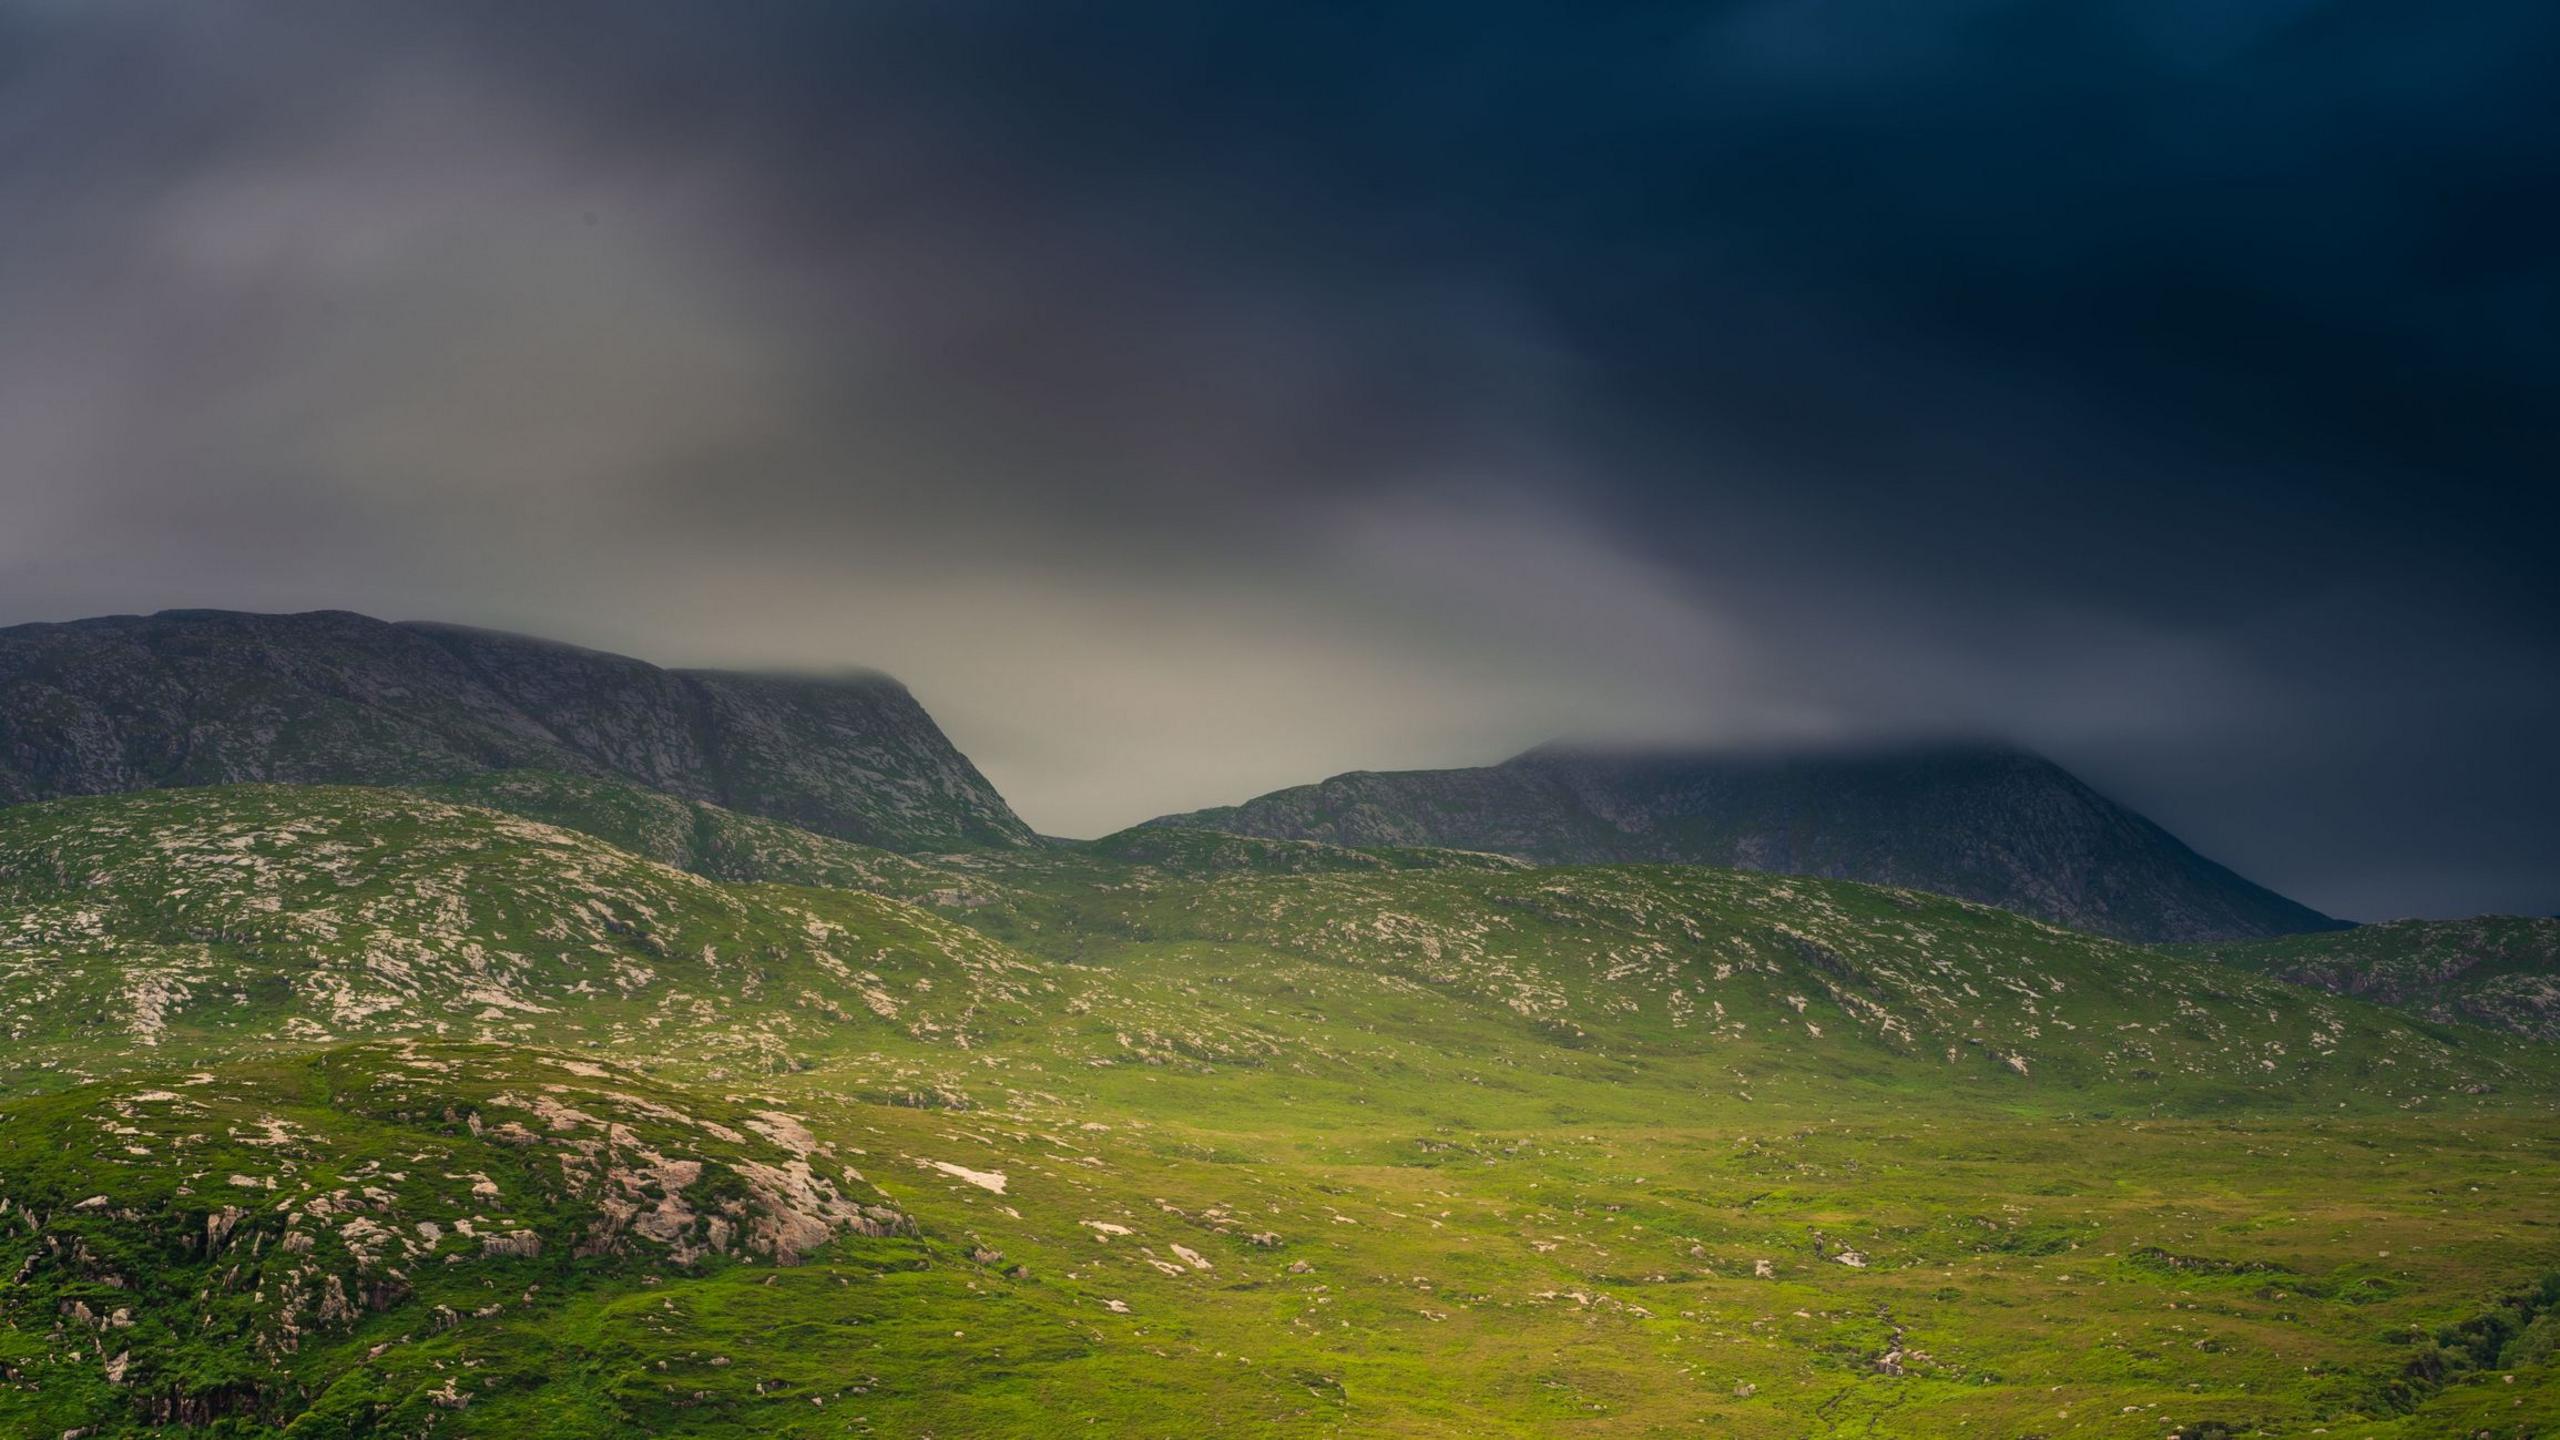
(1979, 822)
(207, 697)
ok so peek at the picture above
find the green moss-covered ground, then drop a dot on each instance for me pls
(1197, 1139)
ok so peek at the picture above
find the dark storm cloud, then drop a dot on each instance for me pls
(1190, 399)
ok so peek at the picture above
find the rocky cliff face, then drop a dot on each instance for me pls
(1979, 822)
(203, 697)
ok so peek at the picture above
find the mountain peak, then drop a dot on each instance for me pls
(1979, 819)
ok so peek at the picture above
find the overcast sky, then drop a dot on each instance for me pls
(1190, 399)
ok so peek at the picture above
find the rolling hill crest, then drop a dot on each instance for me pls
(1976, 821)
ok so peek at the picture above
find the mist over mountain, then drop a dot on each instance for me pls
(560, 1076)
(1280, 390)
(1979, 821)
(206, 697)
(2019, 513)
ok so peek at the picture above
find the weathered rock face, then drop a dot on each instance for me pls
(1978, 822)
(200, 697)
(438, 1189)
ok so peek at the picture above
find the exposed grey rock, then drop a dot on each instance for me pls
(1975, 821)
(205, 697)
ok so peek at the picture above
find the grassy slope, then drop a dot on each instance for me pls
(1453, 1150)
(214, 924)
(2498, 971)
(706, 839)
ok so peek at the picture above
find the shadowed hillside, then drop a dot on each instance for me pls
(1978, 822)
(203, 697)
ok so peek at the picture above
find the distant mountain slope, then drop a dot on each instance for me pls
(1207, 854)
(204, 697)
(2500, 971)
(1979, 822)
(177, 928)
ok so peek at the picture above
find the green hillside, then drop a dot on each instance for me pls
(707, 839)
(190, 926)
(2498, 971)
(1194, 1136)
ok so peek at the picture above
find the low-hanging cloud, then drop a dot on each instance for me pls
(1190, 406)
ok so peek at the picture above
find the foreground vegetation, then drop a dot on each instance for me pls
(1183, 1134)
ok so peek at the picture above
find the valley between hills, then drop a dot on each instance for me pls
(415, 1035)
